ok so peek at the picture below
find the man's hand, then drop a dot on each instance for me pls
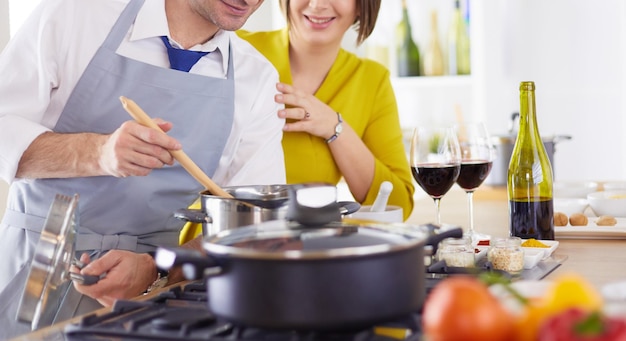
(128, 275)
(135, 150)
(132, 149)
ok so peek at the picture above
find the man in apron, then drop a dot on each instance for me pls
(63, 130)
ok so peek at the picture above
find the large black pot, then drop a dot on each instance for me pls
(282, 274)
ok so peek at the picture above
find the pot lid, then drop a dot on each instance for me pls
(281, 239)
(49, 269)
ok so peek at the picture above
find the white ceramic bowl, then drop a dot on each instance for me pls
(611, 203)
(391, 214)
(532, 258)
(570, 206)
(614, 185)
(574, 189)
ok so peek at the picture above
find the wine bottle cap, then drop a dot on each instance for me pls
(527, 85)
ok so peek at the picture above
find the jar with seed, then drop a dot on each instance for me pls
(507, 254)
(457, 252)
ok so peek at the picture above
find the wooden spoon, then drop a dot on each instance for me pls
(142, 118)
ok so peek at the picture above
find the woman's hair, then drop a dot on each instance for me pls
(365, 20)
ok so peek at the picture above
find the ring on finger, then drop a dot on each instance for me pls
(307, 115)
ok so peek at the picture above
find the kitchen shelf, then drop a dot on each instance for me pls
(433, 81)
(433, 98)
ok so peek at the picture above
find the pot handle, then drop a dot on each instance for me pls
(195, 264)
(434, 239)
(193, 216)
(348, 207)
(559, 138)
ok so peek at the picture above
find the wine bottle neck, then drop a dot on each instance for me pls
(528, 117)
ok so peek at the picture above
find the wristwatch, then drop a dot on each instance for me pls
(338, 129)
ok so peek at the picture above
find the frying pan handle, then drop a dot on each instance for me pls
(195, 264)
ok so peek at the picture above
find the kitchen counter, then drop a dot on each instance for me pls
(600, 261)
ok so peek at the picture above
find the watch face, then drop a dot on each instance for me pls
(338, 128)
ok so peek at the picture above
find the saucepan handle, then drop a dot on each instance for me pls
(193, 215)
(348, 207)
(195, 265)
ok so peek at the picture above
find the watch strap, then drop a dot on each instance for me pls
(338, 129)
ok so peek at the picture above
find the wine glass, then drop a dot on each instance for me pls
(435, 161)
(478, 153)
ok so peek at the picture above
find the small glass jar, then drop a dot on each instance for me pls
(457, 252)
(507, 254)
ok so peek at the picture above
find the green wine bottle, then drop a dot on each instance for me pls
(529, 179)
(407, 53)
(433, 58)
(458, 44)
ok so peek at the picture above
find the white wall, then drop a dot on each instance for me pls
(575, 52)
(4, 37)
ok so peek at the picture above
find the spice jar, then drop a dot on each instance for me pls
(457, 252)
(507, 254)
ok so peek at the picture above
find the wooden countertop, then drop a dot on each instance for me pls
(600, 261)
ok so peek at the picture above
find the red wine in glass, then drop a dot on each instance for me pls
(477, 158)
(473, 173)
(436, 179)
(435, 161)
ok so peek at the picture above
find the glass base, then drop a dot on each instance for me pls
(476, 236)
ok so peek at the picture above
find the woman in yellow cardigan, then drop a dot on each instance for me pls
(341, 111)
(328, 81)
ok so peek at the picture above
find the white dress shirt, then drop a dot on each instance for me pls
(45, 59)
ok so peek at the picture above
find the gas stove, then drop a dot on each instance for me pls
(182, 313)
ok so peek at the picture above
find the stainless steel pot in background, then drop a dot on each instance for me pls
(504, 148)
(251, 205)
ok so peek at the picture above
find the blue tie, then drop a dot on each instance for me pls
(182, 60)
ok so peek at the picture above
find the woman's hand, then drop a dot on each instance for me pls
(127, 275)
(305, 112)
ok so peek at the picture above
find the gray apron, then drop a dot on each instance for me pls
(133, 213)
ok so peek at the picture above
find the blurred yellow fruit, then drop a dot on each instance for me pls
(570, 291)
(566, 291)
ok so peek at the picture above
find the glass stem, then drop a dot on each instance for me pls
(470, 200)
(437, 204)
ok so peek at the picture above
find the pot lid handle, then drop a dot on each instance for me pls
(313, 204)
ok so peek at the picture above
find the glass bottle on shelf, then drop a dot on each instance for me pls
(407, 54)
(529, 179)
(433, 58)
(458, 44)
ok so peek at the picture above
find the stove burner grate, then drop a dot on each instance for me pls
(182, 314)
